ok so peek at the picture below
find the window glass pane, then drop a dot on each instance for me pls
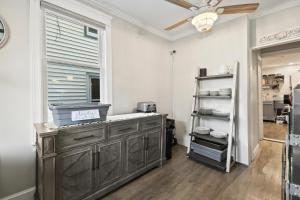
(69, 83)
(70, 41)
(95, 89)
(72, 56)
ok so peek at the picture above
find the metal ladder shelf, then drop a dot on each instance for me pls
(207, 140)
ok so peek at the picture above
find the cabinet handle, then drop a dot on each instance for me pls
(124, 129)
(146, 143)
(98, 160)
(152, 123)
(84, 137)
(94, 158)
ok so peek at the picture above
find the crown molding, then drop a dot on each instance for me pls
(266, 67)
(184, 34)
(79, 7)
(276, 9)
(116, 12)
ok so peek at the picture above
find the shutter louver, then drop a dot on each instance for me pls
(66, 41)
(71, 58)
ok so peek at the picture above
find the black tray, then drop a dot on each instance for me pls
(210, 141)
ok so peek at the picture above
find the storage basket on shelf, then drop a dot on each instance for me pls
(71, 114)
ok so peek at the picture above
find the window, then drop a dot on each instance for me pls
(73, 59)
(94, 88)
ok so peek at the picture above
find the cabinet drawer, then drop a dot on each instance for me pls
(119, 129)
(150, 124)
(78, 136)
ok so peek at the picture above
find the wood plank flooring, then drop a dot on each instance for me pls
(275, 131)
(183, 179)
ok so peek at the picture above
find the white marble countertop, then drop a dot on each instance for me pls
(49, 127)
(129, 116)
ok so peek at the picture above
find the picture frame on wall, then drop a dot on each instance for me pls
(4, 32)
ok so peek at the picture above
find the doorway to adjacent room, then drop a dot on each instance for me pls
(280, 73)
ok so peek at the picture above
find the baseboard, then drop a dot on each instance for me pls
(255, 151)
(273, 140)
(27, 194)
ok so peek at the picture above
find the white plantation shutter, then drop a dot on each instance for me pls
(65, 40)
(71, 57)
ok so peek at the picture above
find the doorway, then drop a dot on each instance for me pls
(280, 73)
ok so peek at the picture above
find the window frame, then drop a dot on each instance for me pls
(89, 78)
(104, 56)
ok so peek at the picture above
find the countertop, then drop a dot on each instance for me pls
(50, 128)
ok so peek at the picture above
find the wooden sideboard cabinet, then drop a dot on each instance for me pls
(85, 162)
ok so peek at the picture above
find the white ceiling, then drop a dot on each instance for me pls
(281, 58)
(158, 14)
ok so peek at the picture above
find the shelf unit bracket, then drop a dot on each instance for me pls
(294, 140)
(292, 189)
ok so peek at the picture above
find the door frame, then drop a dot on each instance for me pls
(256, 108)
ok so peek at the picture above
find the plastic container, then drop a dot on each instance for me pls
(217, 155)
(70, 114)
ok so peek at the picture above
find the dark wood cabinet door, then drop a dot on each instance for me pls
(109, 163)
(153, 152)
(135, 155)
(74, 174)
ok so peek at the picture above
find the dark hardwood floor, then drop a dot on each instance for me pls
(275, 131)
(183, 179)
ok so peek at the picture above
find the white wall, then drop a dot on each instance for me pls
(17, 158)
(280, 21)
(284, 20)
(141, 65)
(141, 68)
(224, 45)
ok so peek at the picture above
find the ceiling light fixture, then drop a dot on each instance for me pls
(204, 21)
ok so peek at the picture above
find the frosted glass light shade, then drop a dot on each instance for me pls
(204, 21)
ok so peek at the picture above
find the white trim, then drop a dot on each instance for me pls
(27, 194)
(273, 140)
(82, 9)
(113, 11)
(260, 47)
(107, 66)
(186, 34)
(35, 61)
(283, 6)
(75, 63)
(266, 67)
(116, 12)
(256, 151)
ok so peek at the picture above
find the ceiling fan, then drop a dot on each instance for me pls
(206, 12)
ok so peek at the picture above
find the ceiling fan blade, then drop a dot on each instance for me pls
(242, 8)
(214, 3)
(218, 2)
(182, 4)
(177, 24)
